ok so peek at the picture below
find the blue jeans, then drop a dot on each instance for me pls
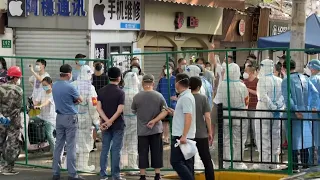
(66, 132)
(114, 137)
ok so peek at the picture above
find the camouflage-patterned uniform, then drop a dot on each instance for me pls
(10, 107)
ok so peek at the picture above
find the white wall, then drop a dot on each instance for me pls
(7, 51)
(104, 37)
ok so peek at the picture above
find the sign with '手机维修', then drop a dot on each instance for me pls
(116, 14)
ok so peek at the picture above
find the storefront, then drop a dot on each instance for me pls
(242, 30)
(114, 26)
(176, 27)
(277, 27)
(48, 29)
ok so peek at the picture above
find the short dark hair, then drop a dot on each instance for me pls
(194, 83)
(80, 56)
(183, 79)
(231, 57)
(3, 63)
(252, 56)
(180, 60)
(47, 79)
(114, 73)
(134, 59)
(201, 59)
(64, 69)
(208, 63)
(42, 61)
(292, 65)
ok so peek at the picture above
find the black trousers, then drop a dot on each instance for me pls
(204, 153)
(184, 168)
(304, 156)
(154, 143)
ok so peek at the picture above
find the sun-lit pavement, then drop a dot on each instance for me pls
(46, 174)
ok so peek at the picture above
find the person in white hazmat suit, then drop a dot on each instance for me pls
(269, 98)
(130, 140)
(239, 98)
(87, 116)
(194, 70)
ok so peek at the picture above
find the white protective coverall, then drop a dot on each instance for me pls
(87, 117)
(129, 155)
(194, 70)
(239, 97)
(269, 98)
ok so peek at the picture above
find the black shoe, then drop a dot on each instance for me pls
(56, 177)
(75, 178)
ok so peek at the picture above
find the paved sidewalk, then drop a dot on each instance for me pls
(46, 174)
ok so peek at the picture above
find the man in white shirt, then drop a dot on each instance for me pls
(44, 102)
(38, 73)
(183, 127)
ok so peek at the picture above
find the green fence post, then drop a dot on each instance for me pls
(169, 91)
(229, 111)
(24, 113)
(290, 164)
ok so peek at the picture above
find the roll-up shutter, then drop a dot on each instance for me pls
(153, 63)
(48, 43)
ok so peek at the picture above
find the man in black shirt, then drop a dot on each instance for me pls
(110, 107)
(99, 78)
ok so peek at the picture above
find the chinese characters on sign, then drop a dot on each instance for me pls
(56, 7)
(192, 22)
(116, 14)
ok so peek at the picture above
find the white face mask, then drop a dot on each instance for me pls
(18, 82)
(208, 68)
(37, 68)
(245, 75)
(183, 67)
(165, 71)
(135, 70)
(307, 71)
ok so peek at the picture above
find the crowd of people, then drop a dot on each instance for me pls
(134, 112)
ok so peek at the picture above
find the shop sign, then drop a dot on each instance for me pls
(278, 28)
(6, 43)
(192, 21)
(242, 27)
(23, 8)
(116, 14)
(100, 51)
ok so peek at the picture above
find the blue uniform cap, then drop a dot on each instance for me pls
(314, 64)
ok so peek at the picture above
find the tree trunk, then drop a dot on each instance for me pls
(298, 29)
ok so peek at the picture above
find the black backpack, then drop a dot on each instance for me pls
(37, 131)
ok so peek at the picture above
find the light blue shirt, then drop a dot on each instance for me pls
(186, 104)
(64, 95)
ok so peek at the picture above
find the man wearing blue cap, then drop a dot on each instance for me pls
(314, 66)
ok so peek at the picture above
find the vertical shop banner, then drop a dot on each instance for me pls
(100, 51)
(116, 14)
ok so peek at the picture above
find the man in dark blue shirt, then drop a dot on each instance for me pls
(110, 107)
(65, 97)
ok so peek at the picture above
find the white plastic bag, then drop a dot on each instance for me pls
(189, 149)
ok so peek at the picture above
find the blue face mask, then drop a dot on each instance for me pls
(46, 88)
(81, 63)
